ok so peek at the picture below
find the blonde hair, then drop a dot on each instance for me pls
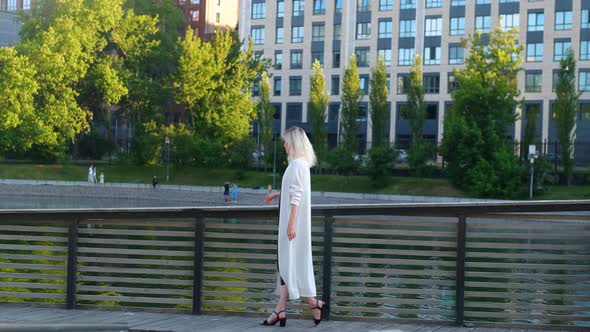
(298, 145)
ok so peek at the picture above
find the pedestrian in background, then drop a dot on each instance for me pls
(234, 193)
(226, 192)
(90, 170)
(101, 179)
(94, 174)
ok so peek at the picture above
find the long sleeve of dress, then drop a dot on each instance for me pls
(297, 185)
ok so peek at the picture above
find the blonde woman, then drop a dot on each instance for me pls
(295, 276)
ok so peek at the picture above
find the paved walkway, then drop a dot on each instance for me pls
(40, 319)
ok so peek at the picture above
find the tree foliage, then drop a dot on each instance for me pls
(318, 104)
(478, 153)
(420, 150)
(265, 116)
(378, 94)
(565, 109)
(350, 106)
(214, 81)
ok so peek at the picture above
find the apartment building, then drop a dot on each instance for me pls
(14, 5)
(205, 16)
(293, 33)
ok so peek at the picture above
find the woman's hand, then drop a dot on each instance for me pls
(270, 197)
(291, 231)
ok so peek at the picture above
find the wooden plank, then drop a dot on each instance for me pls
(234, 255)
(117, 280)
(27, 295)
(528, 306)
(473, 236)
(388, 310)
(136, 290)
(531, 256)
(33, 229)
(395, 232)
(35, 285)
(393, 281)
(240, 245)
(120, 270)
(249, 295)
(251, 227)
(160, 262)
(137, 299)
(395, 242)
(541, 225)
(389, 300)
(527, 276)
(535, 216)
(245, 284)
(390, 271)
(393, 261)
(246, 266)
(32, 276)
(32, 247)
(527, 285)
(146, 223)
(544, 317)
(240, 275)
(105, 241)
(134, 232)
(235, 304)
(25, 257)
(439, 223)
(525, 266)
(143, 252)
(397, 252)
(525, 246)
(36, 238)
(390, 290)
(44, 267)
(525, 296)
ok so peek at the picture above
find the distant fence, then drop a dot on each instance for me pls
(506, 263)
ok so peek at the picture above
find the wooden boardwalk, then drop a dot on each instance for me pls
(33, 319)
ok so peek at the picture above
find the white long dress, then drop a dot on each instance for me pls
(295, 257)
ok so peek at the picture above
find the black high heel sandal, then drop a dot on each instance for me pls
(323, 311)
(283, 321)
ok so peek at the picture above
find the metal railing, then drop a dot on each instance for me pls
(502, 263)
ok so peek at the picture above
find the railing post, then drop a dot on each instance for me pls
(327, 263)
(198, 264)
(460, 277)
(72, 264)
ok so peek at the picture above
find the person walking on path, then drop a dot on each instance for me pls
(234, 193)
(94, 174)
(154, 181)
(90, 178)
(101, 179)
(295, 276)
(226, 192)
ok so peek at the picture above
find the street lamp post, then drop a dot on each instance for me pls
(274, 165)
(167, 141)
(532, 156)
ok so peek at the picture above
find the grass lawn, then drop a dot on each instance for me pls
(250, 179)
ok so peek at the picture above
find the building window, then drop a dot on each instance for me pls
(405, 56)
(433, 27)
(457, 3)
(362, 56)
(363, 30)
(385, 29)
(280, 34)
(534, 52)
(555, 79)
(452, 83)
(585, 24)
(431, 111)
(277, 86)
(257, 35)
(362, 5)
(11, 5)
(432, 55)
(335, 88)
(296, 59)
(407, 4)
(195, 2)
(457, 26)
(258, 10)
(483, 2)
(509, 21)
(407, 28)
(563, 20)
(585, 50)
(295, 86)
(533, 81)
(403, 84)
(434, 3)
(194, 15)
(431, 83)
(318, 32)
(338, 6)
(385, 54)
(335, 59)
(298, 7)
(318, 55)
(26, 4)
(482, 23)
(319, 7)
(535, 21)
(337, 31)
(585, 111)
(278, 59)
(296, 34)
(280, 8)
(455, 54)
(584, 81)
(364, 84)
(560, 49)
(385, 5)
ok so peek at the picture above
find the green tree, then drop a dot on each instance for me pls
(265, 117)
(479, 155)
(378, 101)
(419, 151)
(214, 81)
(565, 109)
(350, 106)
(318, 103)
(530, 129)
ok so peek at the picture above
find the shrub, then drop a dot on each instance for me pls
(380, 164)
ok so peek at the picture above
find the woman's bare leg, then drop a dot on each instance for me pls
(281, 305)
(313, 302)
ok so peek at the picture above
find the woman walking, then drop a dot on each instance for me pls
(295, 276)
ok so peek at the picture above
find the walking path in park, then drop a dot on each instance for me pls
(32, 319)
(70, 194)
